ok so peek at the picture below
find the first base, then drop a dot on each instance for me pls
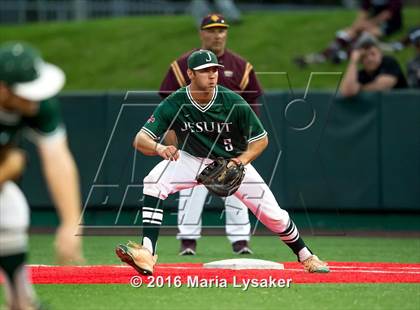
(244, 263)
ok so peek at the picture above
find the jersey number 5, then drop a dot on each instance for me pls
(228, 145)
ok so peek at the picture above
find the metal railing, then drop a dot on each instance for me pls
(22, 11)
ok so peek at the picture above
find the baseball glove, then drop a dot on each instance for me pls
(221, 179)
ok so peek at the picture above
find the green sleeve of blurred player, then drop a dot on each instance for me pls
(47, 122)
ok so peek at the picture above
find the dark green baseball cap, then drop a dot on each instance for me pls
(25, 72)
(202, 59)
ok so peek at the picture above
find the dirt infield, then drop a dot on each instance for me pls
(341, 272)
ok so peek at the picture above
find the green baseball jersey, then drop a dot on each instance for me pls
(222, 128)
(45, 123)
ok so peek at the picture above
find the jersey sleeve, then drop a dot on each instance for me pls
(252, 92)
(47, 123)
(251, 126)
(159, 121)
(173, 80)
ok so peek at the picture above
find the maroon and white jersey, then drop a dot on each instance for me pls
(237, 75)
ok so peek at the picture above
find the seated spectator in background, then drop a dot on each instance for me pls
(400, 44)
(378, 72)
(379, 18)
(413, 66)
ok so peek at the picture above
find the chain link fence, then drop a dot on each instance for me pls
(23, 11)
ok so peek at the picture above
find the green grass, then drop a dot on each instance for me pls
(134, 53)
(100, 250)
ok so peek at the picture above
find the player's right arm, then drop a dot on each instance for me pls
(48, 133)
(145, 144)
(146, 141)
(62, 178)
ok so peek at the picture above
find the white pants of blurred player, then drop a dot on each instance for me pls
(190, 208)
(14, 222)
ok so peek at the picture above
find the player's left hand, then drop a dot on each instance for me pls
(68, 246)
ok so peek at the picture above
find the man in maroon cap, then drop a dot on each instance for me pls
(239, 76)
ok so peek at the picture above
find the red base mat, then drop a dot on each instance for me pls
(341, 272)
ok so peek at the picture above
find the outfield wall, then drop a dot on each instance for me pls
(325, 153)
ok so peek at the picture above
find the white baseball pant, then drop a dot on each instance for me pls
(169, 177)
(14, 222)
(190, 208)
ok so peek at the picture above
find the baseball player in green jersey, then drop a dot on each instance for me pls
(237, 75)
(210, 121)
(27, 107)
